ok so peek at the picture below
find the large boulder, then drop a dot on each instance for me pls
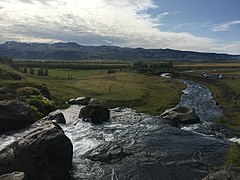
(180, 114)
(15, 114)
(45, 153)
(95, 114)
(57, 116)
(14, 176)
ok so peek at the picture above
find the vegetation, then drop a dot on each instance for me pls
(233, 156)
(113, 87)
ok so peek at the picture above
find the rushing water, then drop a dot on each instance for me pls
(139, 146)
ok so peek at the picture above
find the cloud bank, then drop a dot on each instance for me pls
(126, 23)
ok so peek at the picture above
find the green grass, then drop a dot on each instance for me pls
(233, 156)
(145, 93)
(150, 94)
(65, 73)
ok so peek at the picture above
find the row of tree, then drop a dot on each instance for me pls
(6, 60)
(42, 71)
(154, 68)
(72, 65)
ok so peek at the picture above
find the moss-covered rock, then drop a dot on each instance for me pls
(41, 104)
(28, 91)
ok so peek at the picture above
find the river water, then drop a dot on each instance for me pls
(143, 147)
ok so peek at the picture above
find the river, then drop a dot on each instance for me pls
(140, 146)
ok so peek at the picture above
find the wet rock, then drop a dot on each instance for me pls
(229, 174)
(72, 101)
(180, 114)
(45, 153)
(83, 100)
(108, 153)
(15, 114)
(57, 116)
(14, 176)
(96, 114)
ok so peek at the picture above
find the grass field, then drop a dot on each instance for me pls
(145, 93)
(74, 73)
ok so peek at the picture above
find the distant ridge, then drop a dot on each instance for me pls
(74, 51)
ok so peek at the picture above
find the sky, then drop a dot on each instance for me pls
(204, 25)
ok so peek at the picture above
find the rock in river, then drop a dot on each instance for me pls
(57, 116)
(45, 153)
(15, 114)
(180, 114)
(95, 113)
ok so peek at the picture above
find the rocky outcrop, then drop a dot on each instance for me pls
(45, 153)
(15, 114)
(14, 176)
(95, 114)
(185, 115)
(56, 116)
(229, 174)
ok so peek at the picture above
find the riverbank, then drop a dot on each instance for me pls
(226, 92)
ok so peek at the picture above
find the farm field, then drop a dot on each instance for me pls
(144, 93)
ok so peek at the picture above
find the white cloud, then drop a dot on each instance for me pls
(93, 22)
(225, 26)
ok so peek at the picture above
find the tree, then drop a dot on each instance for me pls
(31, 71)
(25, 69)
(45, 72)
(40, 71)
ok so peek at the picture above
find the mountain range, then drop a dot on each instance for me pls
(74, 51)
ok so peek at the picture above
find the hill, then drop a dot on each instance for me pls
(74, 51)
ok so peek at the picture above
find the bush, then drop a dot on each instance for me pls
(110, 71)
(28, 91)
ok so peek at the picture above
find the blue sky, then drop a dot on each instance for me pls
(201, 17)
(204, 25)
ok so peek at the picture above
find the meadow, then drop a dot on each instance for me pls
(125, 88)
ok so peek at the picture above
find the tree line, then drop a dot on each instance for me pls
(73, 65)
(42, 71)
(6, 60)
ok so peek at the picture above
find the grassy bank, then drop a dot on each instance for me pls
(226, 91)
(145, 93)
